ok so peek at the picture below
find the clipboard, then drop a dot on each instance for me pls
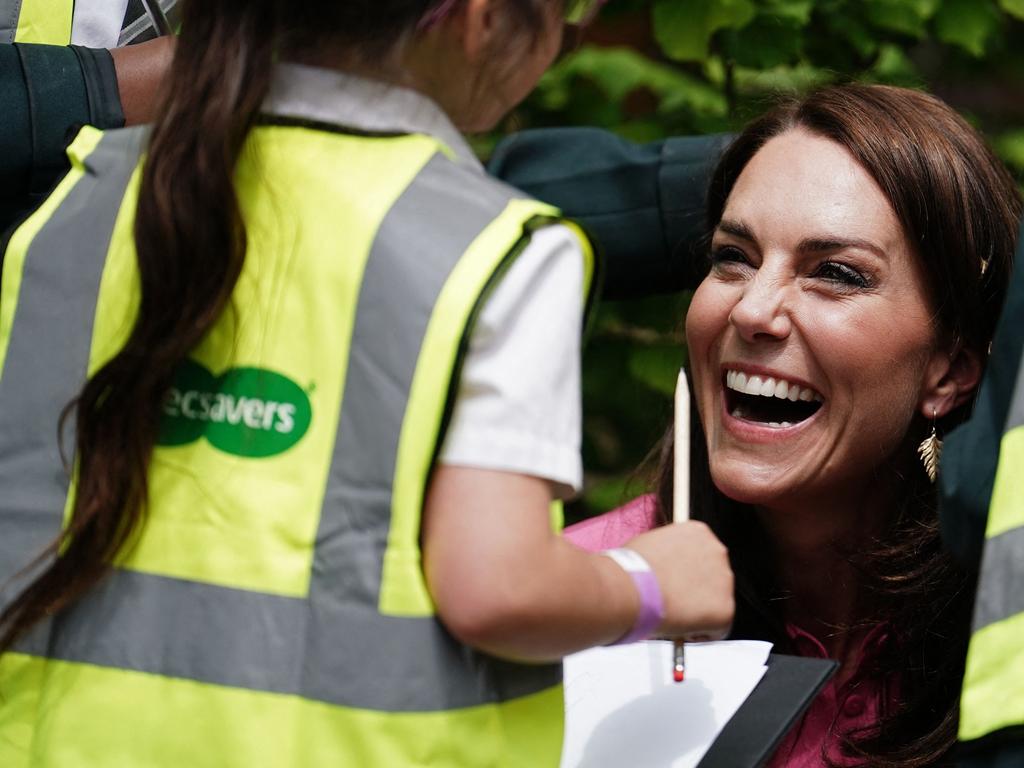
(777, 703)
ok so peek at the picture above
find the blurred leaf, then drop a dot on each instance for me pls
(619, 72)
(967, 23)
(684, 29)
(853, 30)
(894, 66)
(906, 16)
(657, 366)
(1013, 7)
(796, 10)
(1010, 147)
(766, 42)
(604, 494)
(782, 80)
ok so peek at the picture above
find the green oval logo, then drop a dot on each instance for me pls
(249, 412)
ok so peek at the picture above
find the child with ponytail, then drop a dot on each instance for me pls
(288, 387)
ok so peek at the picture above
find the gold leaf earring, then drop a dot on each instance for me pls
(930, 451)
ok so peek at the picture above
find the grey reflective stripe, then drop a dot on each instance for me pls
(1002, 563)
(387, 337)
(330, 650)
(334, 646)
(48, 355)
(1002, 573)
(10, 10)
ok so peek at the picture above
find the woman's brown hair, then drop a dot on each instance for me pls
(960, 209)
(190, 243)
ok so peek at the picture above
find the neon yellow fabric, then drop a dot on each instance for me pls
(996, 652)
(90, 716)
(1006, 510)
(45, 21)
(17, 249)
(185, 533)
(995, 667)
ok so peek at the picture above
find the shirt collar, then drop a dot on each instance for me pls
(339, 98)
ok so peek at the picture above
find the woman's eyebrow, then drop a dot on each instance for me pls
(830, 244)
(736, 229)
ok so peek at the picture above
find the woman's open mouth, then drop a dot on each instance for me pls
(771, 402)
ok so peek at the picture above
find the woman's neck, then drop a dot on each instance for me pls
(812, 542)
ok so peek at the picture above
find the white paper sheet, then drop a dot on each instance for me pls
(623, 709)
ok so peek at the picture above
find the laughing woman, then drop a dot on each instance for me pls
(861, 242)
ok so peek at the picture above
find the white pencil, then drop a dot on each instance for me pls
(681, 491)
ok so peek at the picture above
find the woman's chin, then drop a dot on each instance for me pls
(754, 486)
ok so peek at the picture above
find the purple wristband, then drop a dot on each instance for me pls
(652, 609)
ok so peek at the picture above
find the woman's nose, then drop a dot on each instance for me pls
(761, 313)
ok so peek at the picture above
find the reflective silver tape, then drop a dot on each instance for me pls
(331, 650)
(48, 355)
(999, 585)
(334, 646)
(10, 10)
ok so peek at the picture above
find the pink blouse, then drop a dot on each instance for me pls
(841, 707)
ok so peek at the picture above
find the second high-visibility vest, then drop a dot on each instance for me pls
(992, 697)
(273, 611)
(36, 21)
(92, 23)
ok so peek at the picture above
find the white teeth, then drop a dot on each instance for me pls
(766, 386)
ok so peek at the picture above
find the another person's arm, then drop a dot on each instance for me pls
(505, 583)
(47, 92)
(643, 204)
(140, 70)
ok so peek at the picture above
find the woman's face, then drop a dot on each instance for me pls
(811, 341)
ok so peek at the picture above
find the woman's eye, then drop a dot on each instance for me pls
(835, 272)
(728, 255)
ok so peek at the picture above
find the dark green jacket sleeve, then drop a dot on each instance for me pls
(643, 204)
(970, 453)
(46, 93)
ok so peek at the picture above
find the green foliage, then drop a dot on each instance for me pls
(967, 23)
(684, 30)
(655, 68)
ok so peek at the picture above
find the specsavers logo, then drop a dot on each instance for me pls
(248, 412)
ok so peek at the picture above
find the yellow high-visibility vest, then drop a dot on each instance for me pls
(36, 21)
(994, 676)
(273, 611)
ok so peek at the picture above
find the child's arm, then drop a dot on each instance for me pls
(505, 583)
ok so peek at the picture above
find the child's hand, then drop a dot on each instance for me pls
(692, 568)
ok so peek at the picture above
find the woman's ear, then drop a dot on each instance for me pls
(950, 380)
